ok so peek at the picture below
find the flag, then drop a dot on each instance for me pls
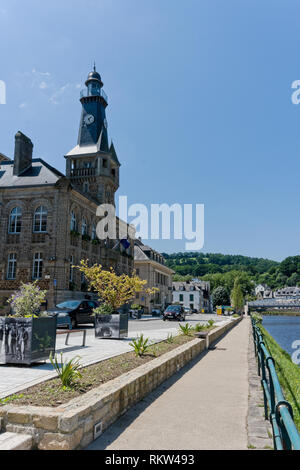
(125, 243)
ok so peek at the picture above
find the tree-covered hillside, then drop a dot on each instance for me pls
(221, 269)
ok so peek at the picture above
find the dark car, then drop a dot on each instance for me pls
(174, 312)
(79, 311)
(156, 312)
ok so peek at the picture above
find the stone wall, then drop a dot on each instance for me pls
(71, 426)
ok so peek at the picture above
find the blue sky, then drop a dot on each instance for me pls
(200, 106)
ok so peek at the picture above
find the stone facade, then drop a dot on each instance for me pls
(150, 266)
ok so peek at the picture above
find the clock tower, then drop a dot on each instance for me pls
(93, 165)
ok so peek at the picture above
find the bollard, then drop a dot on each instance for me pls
(203, 335)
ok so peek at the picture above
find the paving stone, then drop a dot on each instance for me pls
(14, 441)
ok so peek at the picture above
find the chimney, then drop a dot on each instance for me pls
(23, 153)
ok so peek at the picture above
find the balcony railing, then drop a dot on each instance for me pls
(85, 92)
(78, 172)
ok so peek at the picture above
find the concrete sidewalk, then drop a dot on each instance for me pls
(204, 406)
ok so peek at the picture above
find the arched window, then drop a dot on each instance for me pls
(84, 228)
(40, 219)
(15, 220)
(37, 266)
(12, 266)
(73, 222)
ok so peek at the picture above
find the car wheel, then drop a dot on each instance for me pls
(74, 322)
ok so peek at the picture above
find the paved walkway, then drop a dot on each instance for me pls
(204, 406)
(15, 379)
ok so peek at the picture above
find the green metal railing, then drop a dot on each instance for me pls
(277, 410)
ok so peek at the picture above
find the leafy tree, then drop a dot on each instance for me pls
(220, 296)
(114, 290)
(237, 297)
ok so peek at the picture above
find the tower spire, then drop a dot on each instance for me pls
(94, 66)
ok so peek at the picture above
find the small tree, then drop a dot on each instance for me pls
(27, 301)
(113, 289)
(220, 296)
(237, 298)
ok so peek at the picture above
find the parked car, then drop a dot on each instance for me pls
(194, 310)
(79, 311)
(156, 312)
(174, 312)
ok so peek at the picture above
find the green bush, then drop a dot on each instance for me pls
(67, 371)
(186, 330)
(104, 309)
(140, 345)
(170, 338)
(257, 318)
(199, 327)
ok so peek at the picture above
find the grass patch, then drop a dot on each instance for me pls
(51, 393)
(288, 374)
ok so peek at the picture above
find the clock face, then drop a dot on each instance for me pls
(89, 119)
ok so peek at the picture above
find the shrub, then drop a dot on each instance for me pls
(170, 338)
(104, 309)
(257, 318)
(185, 329)
(67, 371)
(27, 301)
(140, 345)
(199, 327)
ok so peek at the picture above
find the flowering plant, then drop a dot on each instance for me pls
(113, 289)
(27, 300)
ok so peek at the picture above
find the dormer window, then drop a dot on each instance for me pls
(104, 163)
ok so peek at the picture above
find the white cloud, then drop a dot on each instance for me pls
(43, 85)
(23, 105)
(55, 97)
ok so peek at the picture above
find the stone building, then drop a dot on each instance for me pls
(48, 220)
(150, 265)
(193, 295)
(3, 158)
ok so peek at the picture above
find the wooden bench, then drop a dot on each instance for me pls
(68, 332)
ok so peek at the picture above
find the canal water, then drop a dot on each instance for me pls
(284, 329)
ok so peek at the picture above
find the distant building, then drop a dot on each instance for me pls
(263, 292)
(3, 158)
(287, 293)
(193, 294)
(150, 266)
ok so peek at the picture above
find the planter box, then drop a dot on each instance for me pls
(111, 326)
(26, 340)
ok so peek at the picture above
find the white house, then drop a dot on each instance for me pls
(193, 294)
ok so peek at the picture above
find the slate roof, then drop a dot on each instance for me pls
(4, 158)
(190, 286)
(40, 173)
